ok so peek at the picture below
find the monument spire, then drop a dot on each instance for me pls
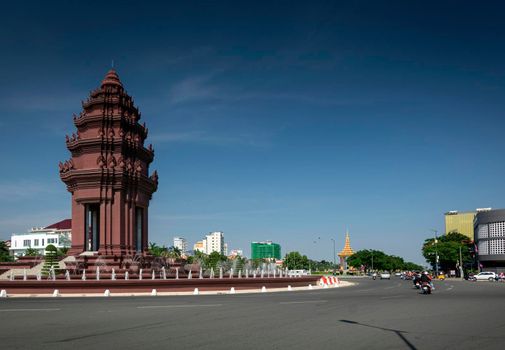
(346, 252)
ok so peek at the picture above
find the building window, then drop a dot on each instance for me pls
(35, 242)
(497, 229)
(139, 223)
(43, 242)
(91, 226)
(52, 241)
(497, 246)
(27, 243)
(482, 231)
(483, 248)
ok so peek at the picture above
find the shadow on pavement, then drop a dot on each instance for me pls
(396, 331)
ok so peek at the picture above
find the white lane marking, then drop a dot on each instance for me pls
(450, 287)
(304, 302)
(177, 306)
(30, 310)
(390, 287)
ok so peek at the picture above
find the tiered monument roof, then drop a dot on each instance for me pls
(347, 251)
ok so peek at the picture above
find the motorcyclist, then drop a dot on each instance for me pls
(425, 277)
(416, 279)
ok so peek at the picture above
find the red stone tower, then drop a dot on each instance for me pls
(108, 174)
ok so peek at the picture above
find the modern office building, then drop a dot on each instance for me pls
(213, 242)
(181, 244)
(58, 234)
(462, 221)
(265, 250)
(490, 239)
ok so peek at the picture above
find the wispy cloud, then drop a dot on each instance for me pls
(210, 88)
(209, 138)
(42, 101)
(196, 88)
(20, 190)
(23, 221)
(212, 216)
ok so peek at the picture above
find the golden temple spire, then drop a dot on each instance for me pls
(347, 251)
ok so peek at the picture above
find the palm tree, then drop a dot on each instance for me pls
(156, 250)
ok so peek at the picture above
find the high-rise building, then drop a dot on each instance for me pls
(462, 222)
(213, 242)
(265, 250)
(181, 244)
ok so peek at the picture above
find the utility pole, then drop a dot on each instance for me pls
(334, 258)
(460, 264)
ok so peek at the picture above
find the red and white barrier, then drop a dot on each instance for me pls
(329, 281)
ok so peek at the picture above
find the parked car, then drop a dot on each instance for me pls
(385, 275)
(484, 276)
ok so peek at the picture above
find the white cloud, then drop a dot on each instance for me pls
(194, 89)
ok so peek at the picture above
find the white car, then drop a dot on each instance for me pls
(485, 276)
(385, 275)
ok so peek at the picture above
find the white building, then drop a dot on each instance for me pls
(181, 244)
(213, 242)
(236, 252)
(58, 234)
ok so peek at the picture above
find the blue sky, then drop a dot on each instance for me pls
(270, 120)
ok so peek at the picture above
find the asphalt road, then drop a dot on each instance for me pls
(370, 315)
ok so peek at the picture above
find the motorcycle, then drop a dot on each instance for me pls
(417, 282)
(426, 288)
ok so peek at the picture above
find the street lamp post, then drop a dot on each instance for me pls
(310, 265)
(334, 258)
(436, 252)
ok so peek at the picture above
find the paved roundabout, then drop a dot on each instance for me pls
(386, 314)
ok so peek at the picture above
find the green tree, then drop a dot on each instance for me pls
(255, 263)
(296, 261)
(63, 251)
(172, 253)
(448, 247)
(31, 252)
(381, 261)
(50, 260)
(4, 252)
(214, 260)
(156, 250)
(321, 266)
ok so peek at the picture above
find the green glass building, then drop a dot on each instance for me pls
(265, 250)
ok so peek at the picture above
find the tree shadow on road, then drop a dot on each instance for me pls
(396, 331)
